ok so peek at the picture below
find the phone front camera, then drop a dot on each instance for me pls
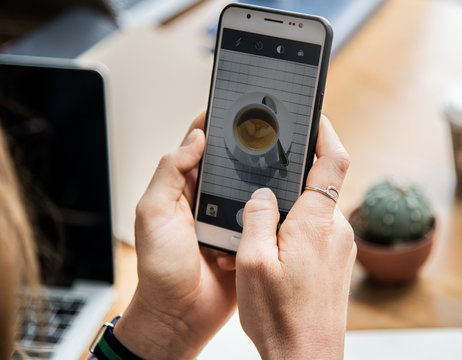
(300, 25)
(249, 16)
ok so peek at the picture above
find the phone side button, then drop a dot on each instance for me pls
(235, 240)
(321, 99)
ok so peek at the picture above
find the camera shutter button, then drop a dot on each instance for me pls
(239, 217)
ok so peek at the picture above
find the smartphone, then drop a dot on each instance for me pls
(263, 113)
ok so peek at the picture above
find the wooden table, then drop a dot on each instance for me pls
(383, 96)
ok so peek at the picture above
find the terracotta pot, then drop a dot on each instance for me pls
(395, 263)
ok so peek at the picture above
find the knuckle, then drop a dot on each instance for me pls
(342, 160)
(249, 261)
(147, 209)
(348, 235)
(253, 264)
(295, 229)
(165, 161)
(143, 209)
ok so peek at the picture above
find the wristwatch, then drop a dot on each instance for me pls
(105, 345)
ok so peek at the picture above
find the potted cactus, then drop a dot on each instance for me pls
(394, 230)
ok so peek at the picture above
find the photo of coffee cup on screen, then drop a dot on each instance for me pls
(259, 126)
(256, 128)
(259, 131)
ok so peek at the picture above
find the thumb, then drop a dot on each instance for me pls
(261, 216)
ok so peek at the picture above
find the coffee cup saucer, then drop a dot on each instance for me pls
(285, 123)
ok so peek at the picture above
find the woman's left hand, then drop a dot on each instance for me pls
(185, 293)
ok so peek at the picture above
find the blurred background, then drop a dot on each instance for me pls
(391, 94)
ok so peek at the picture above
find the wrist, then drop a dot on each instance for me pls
(325, 342)
(153, 334)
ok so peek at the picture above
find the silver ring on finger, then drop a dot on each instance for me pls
(331, 191)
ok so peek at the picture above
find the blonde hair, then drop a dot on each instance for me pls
(18, 256)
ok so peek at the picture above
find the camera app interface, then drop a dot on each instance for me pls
(259, 124)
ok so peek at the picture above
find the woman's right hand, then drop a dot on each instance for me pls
(293, 287)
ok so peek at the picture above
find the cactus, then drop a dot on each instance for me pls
(394, 211)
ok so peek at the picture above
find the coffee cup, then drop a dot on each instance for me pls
(256, 128)
(256, 131)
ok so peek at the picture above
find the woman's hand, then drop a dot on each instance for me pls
(184, 294)
(293, 287)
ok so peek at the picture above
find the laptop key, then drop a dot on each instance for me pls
(46, 339)
(77, 304)
(62, 325)
(66, 312)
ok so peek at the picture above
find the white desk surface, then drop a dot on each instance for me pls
(420, 344)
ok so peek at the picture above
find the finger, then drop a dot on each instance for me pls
(227, 262)
(191, 176)
(329, 169)
(190, 186)
(223, 260)
(168, 182)
(261, 217)
(332, 161)
(198, 123)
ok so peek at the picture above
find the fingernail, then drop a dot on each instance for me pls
(190, 138)
(263, 193)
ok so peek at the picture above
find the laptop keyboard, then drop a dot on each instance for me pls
(38, 337)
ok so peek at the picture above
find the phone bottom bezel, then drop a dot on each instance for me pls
(232, 252)
(222, 234)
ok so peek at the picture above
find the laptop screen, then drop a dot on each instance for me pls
(54, 120)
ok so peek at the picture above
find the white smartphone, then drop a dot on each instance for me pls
(263, 113)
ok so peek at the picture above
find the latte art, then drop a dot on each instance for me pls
(256, 134)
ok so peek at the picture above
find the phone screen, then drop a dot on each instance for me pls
(260, 118)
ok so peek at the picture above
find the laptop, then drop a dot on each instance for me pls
(53, 114)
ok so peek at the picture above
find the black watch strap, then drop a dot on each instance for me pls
(108, 347)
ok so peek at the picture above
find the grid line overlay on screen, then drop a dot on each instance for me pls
(293, 84)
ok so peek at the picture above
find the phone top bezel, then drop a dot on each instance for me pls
(320, 86)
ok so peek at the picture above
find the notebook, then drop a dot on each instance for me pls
(54, 116)
(129, 13)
